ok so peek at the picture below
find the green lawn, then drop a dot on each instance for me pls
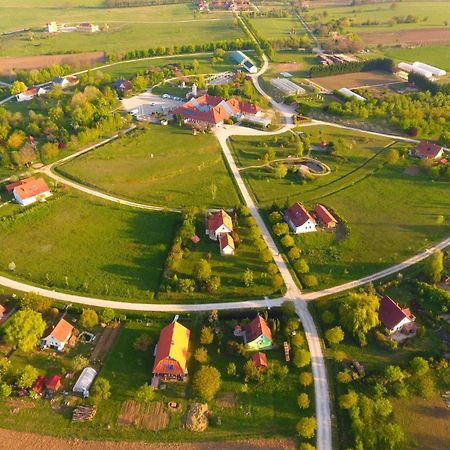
(272, 28)
(434, 13)
(76, 243)
(437, 55)
(181, 173)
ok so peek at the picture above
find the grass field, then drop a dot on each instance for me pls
(272, 28)
(181, 173)
(398, 212)
(356, 80)
(430, 14)
(129, 28)
(75, 243)
(437, 55)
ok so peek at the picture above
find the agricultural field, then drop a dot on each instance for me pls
(403, 223)
(79, 244)
(437, 55)
(273, 28)
(182, 171)
(128, 28)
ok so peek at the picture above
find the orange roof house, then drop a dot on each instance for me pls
(172, 351)
(260, 360)
(324, 216)
(218, 224)
(226, 245)
(57, 337)
(257, 334)
(427, 150)
(29, 190)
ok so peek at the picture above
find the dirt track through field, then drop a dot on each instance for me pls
(424, 36)
(14, 439)
(104, 343)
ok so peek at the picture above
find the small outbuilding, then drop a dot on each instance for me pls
(226, 243)
(257, 334)
(38, 385)
(85, 381)
(53, 383)
(324, 216)
(260, 360)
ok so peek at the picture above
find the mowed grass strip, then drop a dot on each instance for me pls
(437, 55)
(78, 244)
(185, 170)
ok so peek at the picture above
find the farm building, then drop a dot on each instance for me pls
(324, 216)
(435, 71)
(287, 86)
(257, 334)
(260, 360)
(350, 94)
(2, 311)
(395, 318)
(85, 381)
(64, 82)
(172, 351)
(226, 244)
(244, 61)
(427, 150)
(29, 190)
(220, 223)
(53, 383)
(299, 219)
(85, 27)
(30, 93)
(57, 337)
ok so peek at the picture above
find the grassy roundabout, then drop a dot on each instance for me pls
(182, 172)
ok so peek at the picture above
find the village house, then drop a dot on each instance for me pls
(226, 244)
(209, 110)
(57, 337)
(171, 352)
(30, 93)
(29, 190)
(395, 318)
(427, 150)
(220, 223)
(85, 27)
(257, 334)
(324, 216)
(2, 311)
(260, 360)
(299, 219)
(123, 85)
(64, 82)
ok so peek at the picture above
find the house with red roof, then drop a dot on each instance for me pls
(257, 334)
(395, 318)
(123, 85)
(172, 351)
(30, 190)
(260, 360)
(53, 383)
(219, 223)
(213, 111)
(58, 336)
(2, 311)
(324, 216)
(299, 219)
(226, 244)
(427, 150)
(30, 93)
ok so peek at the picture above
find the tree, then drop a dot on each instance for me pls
(297, 340)
(27, 377)
(305, 378)
(309, 281)
(202, 270)
(294, 253)
(213, 316)
(275, 217)
(301, 266)
(292, 324)
(302, 358)
(35, 302)
(251, 372)
(306, 427)
(306, 446)
(419, 366)
(231, 369)
(434, 265)
(213, 284)
(280, 229)
(49, 151)
(139, 83)
(142, 343)
(349, 400)
(201, 355)
(5, 364)
(247, 278)
(18, 87)
(89, 318)
(281, 171)
(328, 317)
(16, 139)
(79, 362)
(288, 309)
(206, 336)
(107, 315)
(145, 393)
(101, 390)
(277, 281)
(206, 383)
(344, 377)
(392, 156)
(359, 313)
(24, 330)
(303, 401)
(287, 241)
(334, 335)
(5, 390)
(393, 374)
(272, 269)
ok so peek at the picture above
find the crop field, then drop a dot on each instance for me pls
(422, 36)
(429, 13)
(185, 170)
(356, 80)
(77, 244)
(438, 55)
(397, 211)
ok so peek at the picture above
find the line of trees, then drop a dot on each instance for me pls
(38, 76)
(264, 44)
(136, 3)
(424, 84)
(384, 64)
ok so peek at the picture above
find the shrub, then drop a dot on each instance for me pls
(301, 266)
(206, 335)
(419, 366)
(206, 383)
(231, 369)
(305, 378)
(294, 253)
(302, 358)
(89, 318)
(344, 377)
(142, 343)
(303, 401)
(101, 390)
(287, 241)
(297, 340)
(306, 427)
(145, 393)
(280, 229)
(328, 317)
(349, 400)
(201, 355)
(334, 335)
(309, 281)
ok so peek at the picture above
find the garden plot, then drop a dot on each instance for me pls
(152, 416)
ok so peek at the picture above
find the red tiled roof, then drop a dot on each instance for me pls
(324, 215)
(257, 327)
(391, 314)
(298, 214)
(218, 219)
(428, 150)
(260, 359)
(31, 188)
(10, 187)
(53, 382)
(172, 350)
(38, 385)
(249, 108)
(62, 331)
(2, 309)
(225, 241)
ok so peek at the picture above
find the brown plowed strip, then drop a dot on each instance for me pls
(14, 439)
(104, 343)
(421, 36)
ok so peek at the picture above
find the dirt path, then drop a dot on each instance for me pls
(14, 439)
(104, 343)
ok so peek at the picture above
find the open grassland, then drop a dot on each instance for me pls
(430, 14)
(390, 215)
(272, 28)
(438, 55)
(185, 170)
(356, 80)
(74, 243)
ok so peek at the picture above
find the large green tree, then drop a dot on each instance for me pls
(24, 330)
(434, 265)
(206, 383)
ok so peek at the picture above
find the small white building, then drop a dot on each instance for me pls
(85, 381)
(52, 27)
(299, 219)
(64, 82)
(57, 337)
(29, 191)
(29, 94)
(244, 61)
(287, 87)
(350, 94)
(85, 27)
(435, 71)
(226, 243)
